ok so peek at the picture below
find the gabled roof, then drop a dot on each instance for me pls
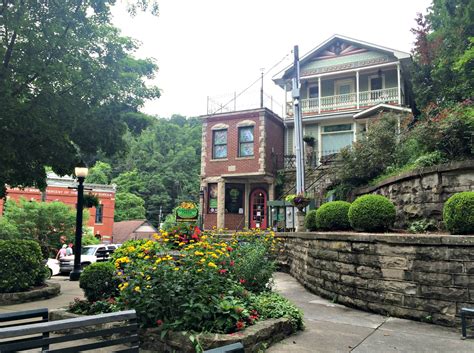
(286, 73)
(124, 230)
(381, 108)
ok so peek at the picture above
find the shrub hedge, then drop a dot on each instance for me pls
(310, 220)
(458, 213)
(21, 264)
(372, 213)
(333, 216)
(98, 281)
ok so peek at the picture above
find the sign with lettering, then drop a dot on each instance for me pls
(187, 212)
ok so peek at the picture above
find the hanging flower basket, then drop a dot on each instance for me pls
(299, 201)
(91, 200)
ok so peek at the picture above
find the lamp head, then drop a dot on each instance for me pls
(81, 170)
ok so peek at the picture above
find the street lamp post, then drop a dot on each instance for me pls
(201, 206)
(81, 173)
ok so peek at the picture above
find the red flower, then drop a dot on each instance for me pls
(222, 271)
(229, 249)
(242, 281)
(240, 325)
(232, 263)
(159, 322)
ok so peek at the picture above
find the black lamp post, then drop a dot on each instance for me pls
(81, 173)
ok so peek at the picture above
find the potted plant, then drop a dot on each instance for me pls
(300, 201)
(91, 200)
(310, 141)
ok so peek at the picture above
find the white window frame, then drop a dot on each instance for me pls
(311, 85)
(339, 83)
(369, 84)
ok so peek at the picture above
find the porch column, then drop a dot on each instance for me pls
(247, 205)
(399, 87)
(319, 95)
(357, 88)
(320, 144)
(221, 204)
(271, 191)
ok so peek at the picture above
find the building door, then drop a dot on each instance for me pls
(258, 209)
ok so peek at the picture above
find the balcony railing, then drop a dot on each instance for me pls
(348, 101)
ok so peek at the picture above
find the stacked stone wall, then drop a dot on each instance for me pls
(420, 194)
(422, 277)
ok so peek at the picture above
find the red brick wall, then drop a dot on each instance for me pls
(244, 165)
(69, 197)
(275, 139)
(210, 220)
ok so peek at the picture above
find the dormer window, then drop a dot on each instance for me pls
(219, 144)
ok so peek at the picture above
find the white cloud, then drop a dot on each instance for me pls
(212, 47)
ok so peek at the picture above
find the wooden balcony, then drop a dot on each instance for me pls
(350, 101)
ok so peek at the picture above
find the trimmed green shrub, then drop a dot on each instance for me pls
(8, 231)
(98, 281)
(372, 213)
(21, 265)
(333, 216)
(310, 221)
(458, 213)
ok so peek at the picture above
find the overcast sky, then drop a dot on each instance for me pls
(217, 47)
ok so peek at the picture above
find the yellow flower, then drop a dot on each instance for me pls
(146, 257)
(131, 248)
(122, 286)
(212, 264)
(148, 278)
(137, 289)
(176, 269)
(198, 253)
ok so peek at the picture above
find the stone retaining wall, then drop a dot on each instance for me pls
(40, 293)
(421, 193)
(421, 277)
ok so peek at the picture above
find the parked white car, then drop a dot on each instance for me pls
(53, 267)
(89, 255)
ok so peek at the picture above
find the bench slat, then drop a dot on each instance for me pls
(36, 342)
(27, 314)
(100, 344)
(67, 324)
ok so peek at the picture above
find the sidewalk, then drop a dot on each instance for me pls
(332, 328)
(69, 291)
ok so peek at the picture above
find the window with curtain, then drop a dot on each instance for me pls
(246, 141)
(219, 144)
(336, 137)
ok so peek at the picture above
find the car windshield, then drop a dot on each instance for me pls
(88, 251)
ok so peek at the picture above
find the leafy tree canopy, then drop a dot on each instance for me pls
(128, 206)
(444, 53)
(45, 222)
(100, 173)
(68, 83)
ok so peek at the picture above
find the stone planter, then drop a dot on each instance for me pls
(254, 338)
(48, 291)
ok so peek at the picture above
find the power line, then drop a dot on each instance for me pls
(252, 84)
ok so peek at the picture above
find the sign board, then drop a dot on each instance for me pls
(187, 212)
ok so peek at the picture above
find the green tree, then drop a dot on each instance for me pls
(49, 223)
(100, 173)
(67, 78)
(8, 231)
(443, 54)
(128, 206)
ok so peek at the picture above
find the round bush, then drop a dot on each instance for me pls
(372, 213)
(333, 216)
(310, 220)
(99, 282)
(21, 265)
(458, 213)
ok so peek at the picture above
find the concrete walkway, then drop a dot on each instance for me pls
(332, 328)
(69, 291)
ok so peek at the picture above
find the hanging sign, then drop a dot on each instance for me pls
(187, 212)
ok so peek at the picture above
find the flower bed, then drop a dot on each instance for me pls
(195, 282)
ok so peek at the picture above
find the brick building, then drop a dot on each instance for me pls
(101, 219)
(238, 167)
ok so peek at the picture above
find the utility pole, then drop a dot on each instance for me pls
(298, 137)
(261, 88)
(160, 216)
